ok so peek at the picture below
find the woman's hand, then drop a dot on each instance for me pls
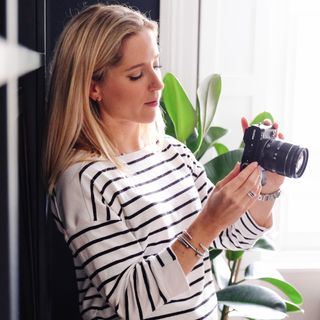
(226, 204)
(273, 180)
(231, 196)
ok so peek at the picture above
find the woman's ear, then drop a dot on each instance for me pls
(95, 92)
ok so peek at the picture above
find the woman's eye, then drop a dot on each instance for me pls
(137, 77)
(157, 67)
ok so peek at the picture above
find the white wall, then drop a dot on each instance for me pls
(308, 283)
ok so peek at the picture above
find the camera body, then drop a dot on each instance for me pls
(273, 155)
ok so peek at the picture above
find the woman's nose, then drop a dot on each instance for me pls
(156, 81)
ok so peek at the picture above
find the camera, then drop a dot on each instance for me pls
(273, 155)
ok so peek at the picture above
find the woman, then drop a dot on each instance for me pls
(135, 207)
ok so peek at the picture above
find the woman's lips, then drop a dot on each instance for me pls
(153, 103)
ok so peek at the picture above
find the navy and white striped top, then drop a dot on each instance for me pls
(120, 229)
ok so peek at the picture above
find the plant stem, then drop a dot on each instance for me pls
(233, 270)
(224, 314)
(237, 269)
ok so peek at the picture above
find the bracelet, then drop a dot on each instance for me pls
(184, 239)
(269, 196)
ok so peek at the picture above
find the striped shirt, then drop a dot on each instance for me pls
(120, 228)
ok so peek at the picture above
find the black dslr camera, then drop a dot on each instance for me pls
(273, 155)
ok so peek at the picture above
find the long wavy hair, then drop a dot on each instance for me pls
(88, 46)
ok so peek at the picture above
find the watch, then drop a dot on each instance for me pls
(269, 196)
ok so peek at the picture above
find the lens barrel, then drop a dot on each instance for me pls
(283, 158)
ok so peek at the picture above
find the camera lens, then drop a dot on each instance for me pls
(301, 162)
(284, 158)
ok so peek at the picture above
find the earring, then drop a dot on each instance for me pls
(98, 99)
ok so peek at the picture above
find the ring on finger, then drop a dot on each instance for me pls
(251, 194)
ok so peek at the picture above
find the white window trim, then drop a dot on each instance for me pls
(179, 42)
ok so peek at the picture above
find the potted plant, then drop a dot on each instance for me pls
(194, 127)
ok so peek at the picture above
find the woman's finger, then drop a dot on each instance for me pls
(253, 182)
(279, 134)
(249, 192)
(244, 123)
(275, 125)
(238, 181)
(251, 196)
(266, 122)
(232, 174)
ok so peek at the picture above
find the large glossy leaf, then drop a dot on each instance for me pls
(290, 291)
(220, 148)
(221, 165)
(253, 301)
(195, 141)
(260, 271)
(179, 107)
(292, 307)
(208, 95)
(264, 243)
(213, 134)
(251, 311)
(169, 125)
(192, 141)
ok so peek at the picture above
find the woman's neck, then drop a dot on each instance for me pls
(126, 138)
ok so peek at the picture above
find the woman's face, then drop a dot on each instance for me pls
(130, 92)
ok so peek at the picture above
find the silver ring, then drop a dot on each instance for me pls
(251, 194)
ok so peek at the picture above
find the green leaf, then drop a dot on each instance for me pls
(264, 243)
(234, 255)
(262, 116)
(195, 139)
(221, 165)
(199, 129)
(179, 107)
(259, 271)
(253, 301)
(208, 95)
(220, 148)
(213, 134)
(213, 253)
(192, 141)
(292, 307)
(169, 124)
(286, 288)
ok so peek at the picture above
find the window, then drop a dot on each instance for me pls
(267, 53)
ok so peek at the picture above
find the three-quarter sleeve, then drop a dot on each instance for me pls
(112, 258)
(239, 236)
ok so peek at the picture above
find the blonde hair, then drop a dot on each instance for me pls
(88, 46)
